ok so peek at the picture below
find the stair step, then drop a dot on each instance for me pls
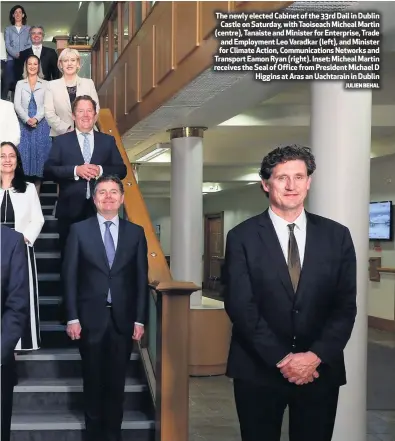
(53, 335)
(50, 224)
(50, 307)
(49, 277)
(47, 209)
(62, 363)
(65, 394)
(65, 426)
(48, 198)
(48, 262)
(48, 255)
(58, 354)
(64, 384)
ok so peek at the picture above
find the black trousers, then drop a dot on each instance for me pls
(104, 365)
(64, 223)
(8, 380)
(312, 411)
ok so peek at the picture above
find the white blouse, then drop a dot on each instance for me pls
(29, 218)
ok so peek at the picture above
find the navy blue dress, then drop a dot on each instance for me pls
(35, 144)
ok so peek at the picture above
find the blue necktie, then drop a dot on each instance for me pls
(110, 249)
(86, 153)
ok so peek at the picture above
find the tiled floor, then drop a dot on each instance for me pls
(213, 415)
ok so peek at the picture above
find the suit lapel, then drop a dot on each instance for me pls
(269, 237)
(77, 148)
(121, 245)
(96, 150)
(97, 238)
(311, 257)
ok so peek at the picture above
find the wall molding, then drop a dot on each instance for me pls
(381, 324)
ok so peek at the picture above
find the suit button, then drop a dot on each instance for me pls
(296, 311)
(294, 337)
(110, 277)
(294, 346)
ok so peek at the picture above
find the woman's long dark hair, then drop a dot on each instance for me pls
(13, 9)
(18, 183)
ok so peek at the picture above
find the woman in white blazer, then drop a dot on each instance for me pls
(21, 210)
(35, 142)
(62, 92)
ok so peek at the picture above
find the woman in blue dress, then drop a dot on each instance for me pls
(35, 142)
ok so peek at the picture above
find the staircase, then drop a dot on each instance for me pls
(48, 400)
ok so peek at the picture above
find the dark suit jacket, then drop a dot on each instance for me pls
(48, 60)
(14, 291)
(65, 154)
(269, 319)
(88, 277)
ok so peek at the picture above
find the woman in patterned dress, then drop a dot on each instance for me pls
(21, 210)
(35, 143)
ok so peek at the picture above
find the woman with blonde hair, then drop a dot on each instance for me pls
(35, 142)
(62, 92)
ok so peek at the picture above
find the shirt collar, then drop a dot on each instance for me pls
(114, 220)
(37, 46)
(278, 221)
(80, 133)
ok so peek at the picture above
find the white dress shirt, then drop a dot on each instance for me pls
(114, 230)
(37, 50)
(81, 139)
(282, 231)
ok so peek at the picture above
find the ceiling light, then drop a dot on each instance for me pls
(152, 152)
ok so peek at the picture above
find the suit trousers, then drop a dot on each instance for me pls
(105, 360)
(8, 380)
(64, 223)
(312, 411)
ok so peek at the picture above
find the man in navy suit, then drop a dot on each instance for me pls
(291, 295)
(76, 159)
(105, 272)
(48, 56)
(14, 315)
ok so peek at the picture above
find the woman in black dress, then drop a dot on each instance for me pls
(21, 210)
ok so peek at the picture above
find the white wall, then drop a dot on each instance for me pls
(381, 295)
(250, 200)
(237, 205)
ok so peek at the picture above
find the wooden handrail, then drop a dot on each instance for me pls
(386, 270)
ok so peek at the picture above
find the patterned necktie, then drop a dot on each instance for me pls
(86, 153)
(293, 258)
(110, 249)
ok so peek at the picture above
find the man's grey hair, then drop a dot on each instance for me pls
(108, 178)
(37, 27)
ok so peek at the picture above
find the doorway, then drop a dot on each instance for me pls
(213, 250)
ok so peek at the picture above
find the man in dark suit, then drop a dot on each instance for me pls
(48, 56)
(14, 315)
(76, 159)
(291, 296)
(105, 270)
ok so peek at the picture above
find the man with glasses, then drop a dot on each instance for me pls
(48, 57)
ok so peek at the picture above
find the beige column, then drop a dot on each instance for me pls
(186, 206)
(340, 138)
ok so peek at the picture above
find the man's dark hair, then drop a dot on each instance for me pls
(13, 9)
(83, 98)
(109, 178)
(285, 154)
(19, 181)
